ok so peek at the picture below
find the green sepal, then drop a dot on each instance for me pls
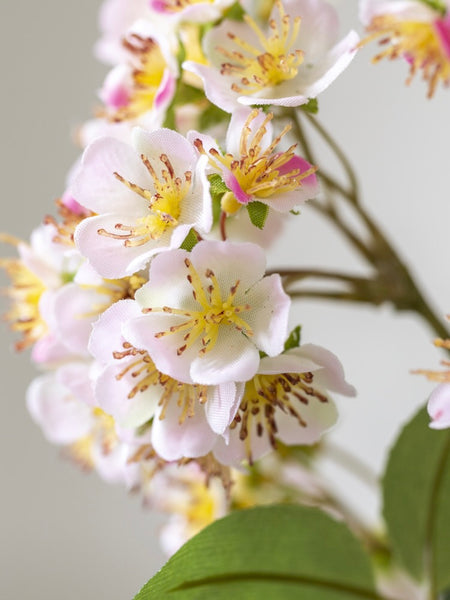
(258, 211)
(438, 5)
(293, 340)
(312, 106)
(189, 241)
(235, 12)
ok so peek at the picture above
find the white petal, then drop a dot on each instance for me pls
(269, 314)
(319, 417)
(223, 402)
(190, 439)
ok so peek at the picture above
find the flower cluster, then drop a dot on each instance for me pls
(167, 361)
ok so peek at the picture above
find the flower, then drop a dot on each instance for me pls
(146, 196)
(293, 58)
(142, 85)
(286, 400)
(253, 169)
(43, 266)
(208, 313)
(187, 418)
(418, 33)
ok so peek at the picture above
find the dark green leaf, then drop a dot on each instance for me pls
(293, 340)
(312, 106)
(258, 212)
(417, 501)
(189, 241)
(267, 553)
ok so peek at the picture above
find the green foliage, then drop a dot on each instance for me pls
(189, 241)
(211, 116)
(293, 340)
(438, 5)
(277, 553)
(417, 501)
(312, 106)
(235, 12)
(258, 212)
(217, 185)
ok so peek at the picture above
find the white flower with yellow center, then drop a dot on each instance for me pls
(411, 30)
(208, 313)
(294, 57)
(254, 168)
(147, 198)
(187, 418)
(286, 400)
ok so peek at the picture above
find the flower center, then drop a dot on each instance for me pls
(146, 79)
(420, 43)
(214, 312)
(143, 370)
(163, 204)
(263, 395)
(258, 172)
(270, 61)
(103, 433)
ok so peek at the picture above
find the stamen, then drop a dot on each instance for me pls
(263, 395)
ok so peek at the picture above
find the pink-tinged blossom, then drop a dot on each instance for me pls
(286, 400)
(414, 31)
(187, 418)
(208, 313)
(439, 407)
(147, 198)
(285, 62)
(198, 11)
(142, 85)
(254, 168)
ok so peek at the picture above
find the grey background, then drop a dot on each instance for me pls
(65, 534)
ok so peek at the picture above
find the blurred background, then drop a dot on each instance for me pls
(67, 534)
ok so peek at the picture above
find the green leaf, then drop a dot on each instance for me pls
(293, 340)
(189, 241)
(417, 501)
(258, 212)
(312, 106)
(274, 553)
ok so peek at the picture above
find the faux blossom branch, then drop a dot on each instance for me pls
(392, 281)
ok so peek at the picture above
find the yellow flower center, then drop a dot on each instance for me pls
(270, 61)
(103, 433)
(143, 370)
(257, 171)
(418, 42)
(263, 395)
(164, 205)
(215, 312)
